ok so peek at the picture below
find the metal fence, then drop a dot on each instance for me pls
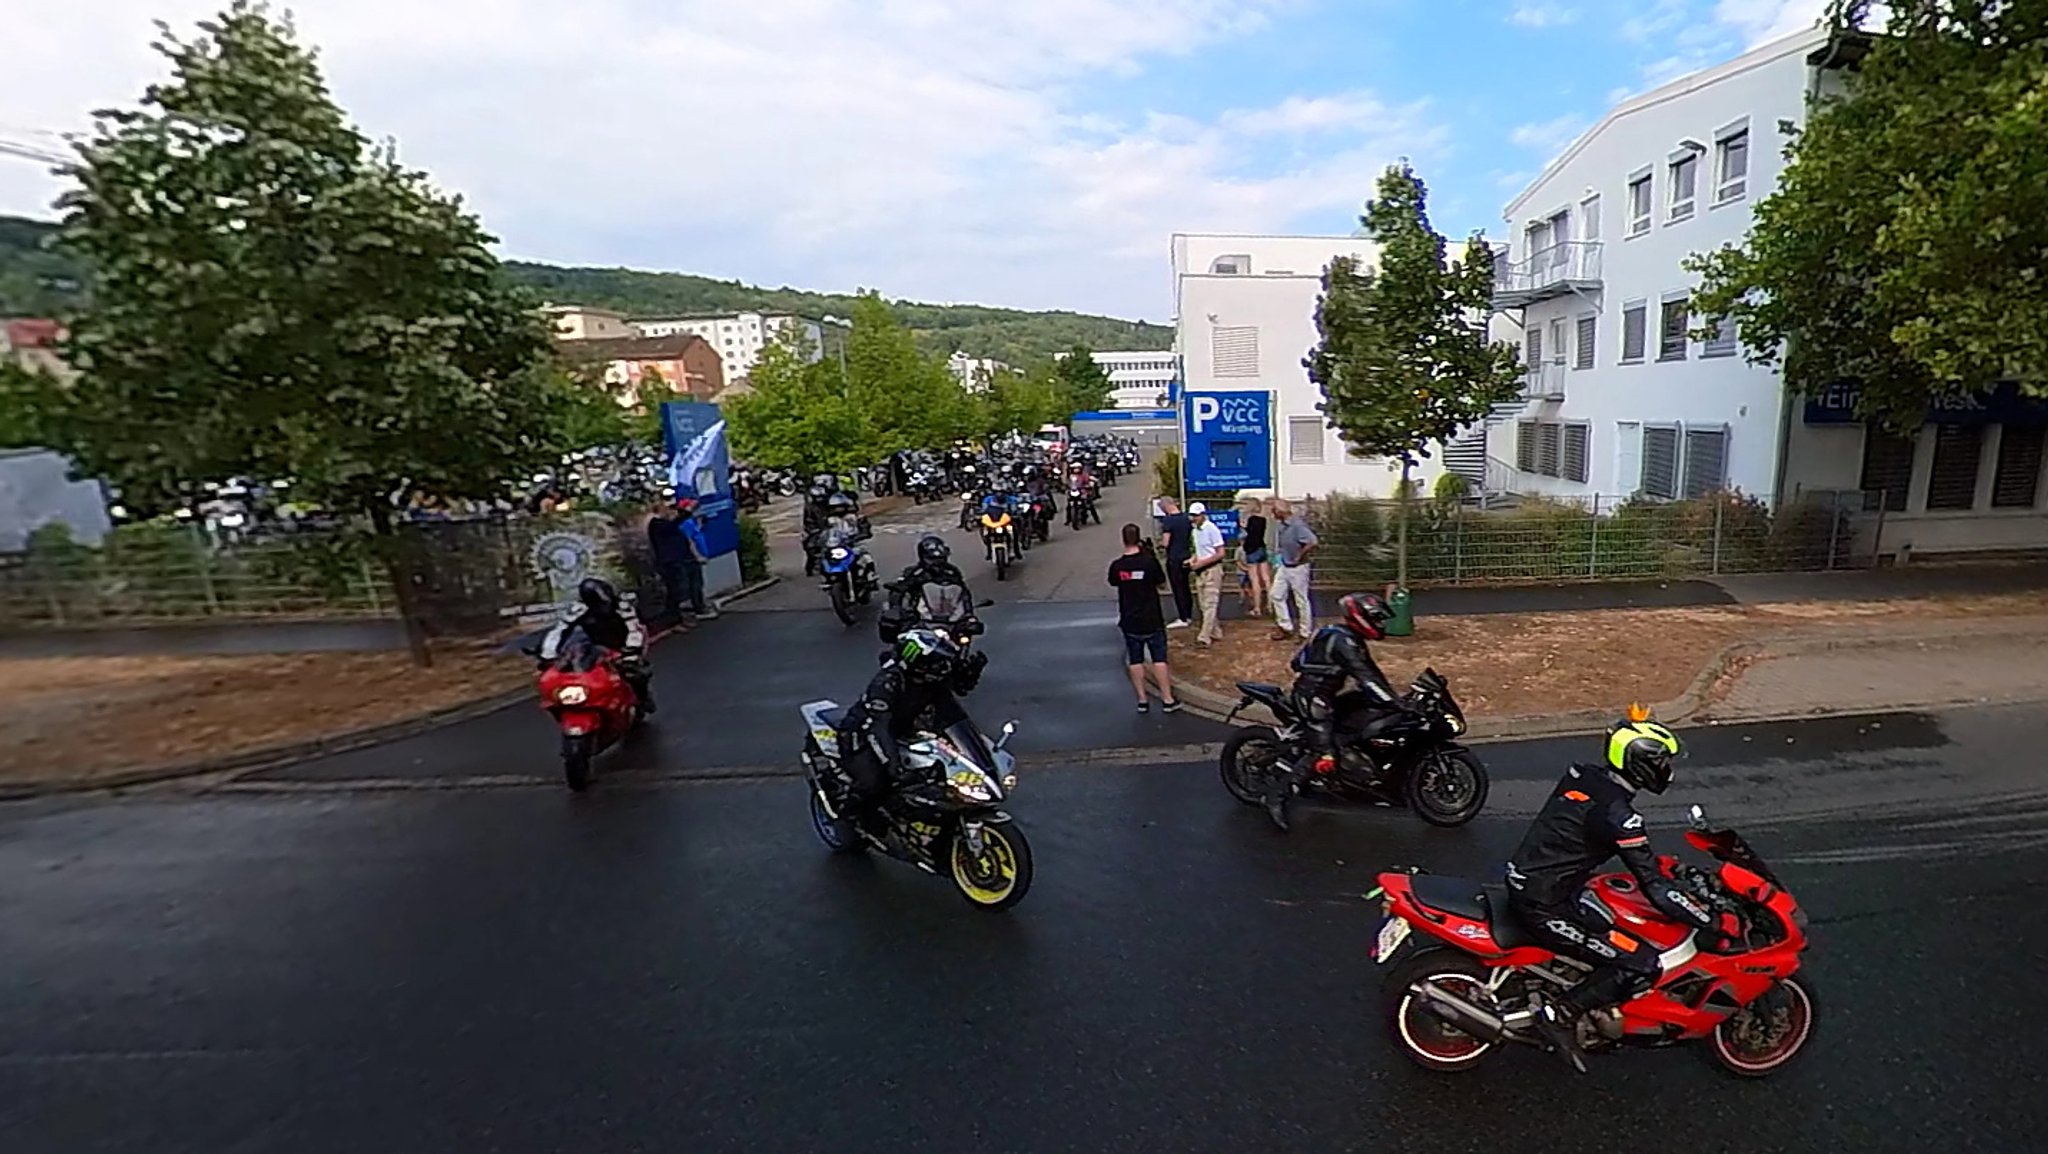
(1597, 539)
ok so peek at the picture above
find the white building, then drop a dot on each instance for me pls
(1245, 317)
(1140, 380)
(737, 337)
(974, 373)
(1621, 400)
(578, 323)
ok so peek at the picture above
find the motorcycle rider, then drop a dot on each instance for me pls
(995, 521)
(934, 567)
(600, 615)
(1334, 657)
(815, 519)
(1591, 817)
(918, 687)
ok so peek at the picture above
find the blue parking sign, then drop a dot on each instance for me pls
(1227, 440)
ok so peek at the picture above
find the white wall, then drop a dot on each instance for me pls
(1830, 457)
(738, 339)
(1641, 135)
(1138, 379)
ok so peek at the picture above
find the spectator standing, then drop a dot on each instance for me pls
(1177, 535)
(693, 565)
(1258, 567)
(671, 559)
(1137, 576)
(1205, 571)
(1294, 546)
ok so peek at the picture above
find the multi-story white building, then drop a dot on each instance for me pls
(738, 338)
(1622, 401)
(1140, 380)
(974, 373)
(1245, 317)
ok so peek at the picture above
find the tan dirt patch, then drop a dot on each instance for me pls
(82, 718)
(1525, 664)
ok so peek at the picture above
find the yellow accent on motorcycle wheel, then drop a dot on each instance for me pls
(1001, 868)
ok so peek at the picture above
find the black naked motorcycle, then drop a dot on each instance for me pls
(1409, 758)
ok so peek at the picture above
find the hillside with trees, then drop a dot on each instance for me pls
(36, 281)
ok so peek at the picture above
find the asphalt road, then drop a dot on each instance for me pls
(684, 969)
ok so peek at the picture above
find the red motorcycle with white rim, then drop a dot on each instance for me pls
(1464, 977)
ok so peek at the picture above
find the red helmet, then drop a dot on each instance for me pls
(1364, 614)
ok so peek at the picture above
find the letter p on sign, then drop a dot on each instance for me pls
(1206, 409)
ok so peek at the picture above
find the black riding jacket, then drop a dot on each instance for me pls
(1589, 819)
(1335, 656)
(895, 706)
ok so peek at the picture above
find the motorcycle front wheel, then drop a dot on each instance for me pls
(841, 603)
(1002, 564)
(1447, 787)
(1001, 875)
(1763, 1037)
(1247, 759)
(577, 754)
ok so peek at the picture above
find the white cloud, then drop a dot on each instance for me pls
(1548, 137)
(1761, 21)
(933, 148)
(1537, 14)
(1654, 21)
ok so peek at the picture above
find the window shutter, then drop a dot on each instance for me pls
(1583, 355)
(1525, 446)
(1706, 461)
(1634, 332)
(1535, 356)
(2018, 479)
(1304, 440)
(1574, 463)
(1722, 343)
(1887, 469)
(1235, 350)
(1660, 462)
(1953, 482)
(1546, 448)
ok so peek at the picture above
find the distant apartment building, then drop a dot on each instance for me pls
(974, 373)
(1622, 401)
(579, 323)
(1141, 380)
(31, 342)
(686, 362)
(738, 338)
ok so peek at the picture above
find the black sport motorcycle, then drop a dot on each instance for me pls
(1409, 757)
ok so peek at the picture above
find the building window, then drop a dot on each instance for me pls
(1639, 205)
(2018, 479)
(1575, 453)
(1685, 178)
(1731, 166)
(1582, 353)
(1546, 448)
(1525, 446)
(1557, 348)
(1235, 350)
(1304, 440)
(1535, 351)
(1706, 461)
(1952, 483)
(1722, 343)
(1634, 332)
(1239, 264)
(1660, 461)
(1671, 331)
(1887, 469)
(1589, 217)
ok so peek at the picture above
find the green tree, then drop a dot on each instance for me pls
(584, 412)
(1083, 383)
(1405, 358)
(275, 298)
(1020, 401)
(909, 400)
(799, 415)
(1902, 246)
(27, 398)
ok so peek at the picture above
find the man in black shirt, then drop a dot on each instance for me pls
(1178, 534)
(1137, 576)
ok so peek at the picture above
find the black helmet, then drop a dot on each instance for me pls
(839, 503)
(598, 595)
(1365, 614)
(932, 550)
(1639, 752)
(927, 655)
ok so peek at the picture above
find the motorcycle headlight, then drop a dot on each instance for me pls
(972, 786)
(838, 554)
(572, 695)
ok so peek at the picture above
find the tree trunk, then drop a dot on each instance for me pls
(1401, 531)
(401, 588)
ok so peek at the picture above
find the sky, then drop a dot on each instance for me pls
(1030, 153)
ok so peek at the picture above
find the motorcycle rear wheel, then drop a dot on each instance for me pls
(1245, 776)
(1748, 1047)
(1001, 876)
(1448, 788)
(1427, 1040)
(837, 833)
(577, 753)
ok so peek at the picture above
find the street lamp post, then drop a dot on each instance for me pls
(845, 328)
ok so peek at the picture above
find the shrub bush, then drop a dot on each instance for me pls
(753, 548)
(1166, 473)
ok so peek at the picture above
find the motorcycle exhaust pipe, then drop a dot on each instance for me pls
(1456, 1011)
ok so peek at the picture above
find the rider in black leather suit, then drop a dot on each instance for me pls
(918, 686)
(601, 615)
(1334, 657)
(1590, 818)
(934, 567)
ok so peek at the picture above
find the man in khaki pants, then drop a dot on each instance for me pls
(1292, 545)
(1205, 569)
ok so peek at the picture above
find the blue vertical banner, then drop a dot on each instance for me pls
(1227, 440)
(693, 434)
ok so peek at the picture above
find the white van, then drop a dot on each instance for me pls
(1052, 438)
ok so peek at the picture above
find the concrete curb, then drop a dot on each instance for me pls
(289, 753)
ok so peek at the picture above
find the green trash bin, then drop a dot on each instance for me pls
(1402, 624)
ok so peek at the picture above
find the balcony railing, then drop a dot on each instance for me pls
(1544, 382)
(1572, 266)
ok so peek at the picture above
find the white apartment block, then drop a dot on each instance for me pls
(974, 373)
(1140, 380)
(1620, 400)
(578, 323)
(1245, 317)
(738, 338)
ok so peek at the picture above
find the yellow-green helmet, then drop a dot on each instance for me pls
(1640, 751)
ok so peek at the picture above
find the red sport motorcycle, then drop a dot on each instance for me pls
(1464, 975)
(591, 701)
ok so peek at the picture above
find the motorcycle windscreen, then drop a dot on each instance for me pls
(966, 737)
(579, 654)
(945, 603)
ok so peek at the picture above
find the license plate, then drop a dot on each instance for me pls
(1392, 934)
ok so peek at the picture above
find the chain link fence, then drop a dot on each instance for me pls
(1599, 539)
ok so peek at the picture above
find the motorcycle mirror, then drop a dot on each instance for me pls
(1699, 819)
(1009, 727)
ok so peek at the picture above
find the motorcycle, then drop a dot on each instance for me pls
(1081, 508)
(1465, 976)
(590, 701)
(848, 572)
(1002, 547)
(947, 818)
(1040, 512)
(943, 607)
(1409, 758)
